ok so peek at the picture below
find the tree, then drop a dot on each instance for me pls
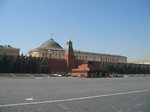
(22, 63)
(5, 64)
(44, 67)
(18, 64)
(128, 68)
(110, 67)
(147, 69)
(31, 66)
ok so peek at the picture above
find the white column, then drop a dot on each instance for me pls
(53, 55)
(41, 55)
(47, 55)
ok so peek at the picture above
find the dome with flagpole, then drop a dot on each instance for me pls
(50, 44)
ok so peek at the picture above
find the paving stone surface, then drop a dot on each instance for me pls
(75, 95)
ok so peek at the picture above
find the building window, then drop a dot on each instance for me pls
(36, 55)
(59, 55)
(47, 55)
(55, 55)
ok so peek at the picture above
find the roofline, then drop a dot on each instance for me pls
(78, 51)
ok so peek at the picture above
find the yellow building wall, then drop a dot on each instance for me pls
(79, 56)
(11, 52)
(41, 55)
(147, 63)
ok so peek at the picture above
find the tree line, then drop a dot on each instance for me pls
(125, 68)
(21, 65)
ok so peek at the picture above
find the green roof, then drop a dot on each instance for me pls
(138, 61)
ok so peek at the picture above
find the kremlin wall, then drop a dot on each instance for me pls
(75, 62)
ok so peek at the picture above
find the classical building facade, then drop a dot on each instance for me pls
(51, 49)
(8, 50)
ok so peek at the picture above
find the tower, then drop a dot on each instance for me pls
(69, 49)
(69, 56)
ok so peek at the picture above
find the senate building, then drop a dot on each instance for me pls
(52, 49)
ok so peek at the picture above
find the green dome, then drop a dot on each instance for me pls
(50, 43)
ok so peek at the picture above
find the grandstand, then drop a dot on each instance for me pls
(20, 75)
(6, 75)
(37, 75)
(25, 75)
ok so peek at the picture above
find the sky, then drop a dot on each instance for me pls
(119, 27)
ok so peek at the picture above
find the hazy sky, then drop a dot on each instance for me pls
(120, 27)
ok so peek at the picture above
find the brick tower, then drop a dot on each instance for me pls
(69, 56)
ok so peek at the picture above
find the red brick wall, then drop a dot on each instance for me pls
(55, 65)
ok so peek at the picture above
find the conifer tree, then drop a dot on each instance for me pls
(5, 64)
(31, 66)
(44, 66)
(22, 63)
(18, 64)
